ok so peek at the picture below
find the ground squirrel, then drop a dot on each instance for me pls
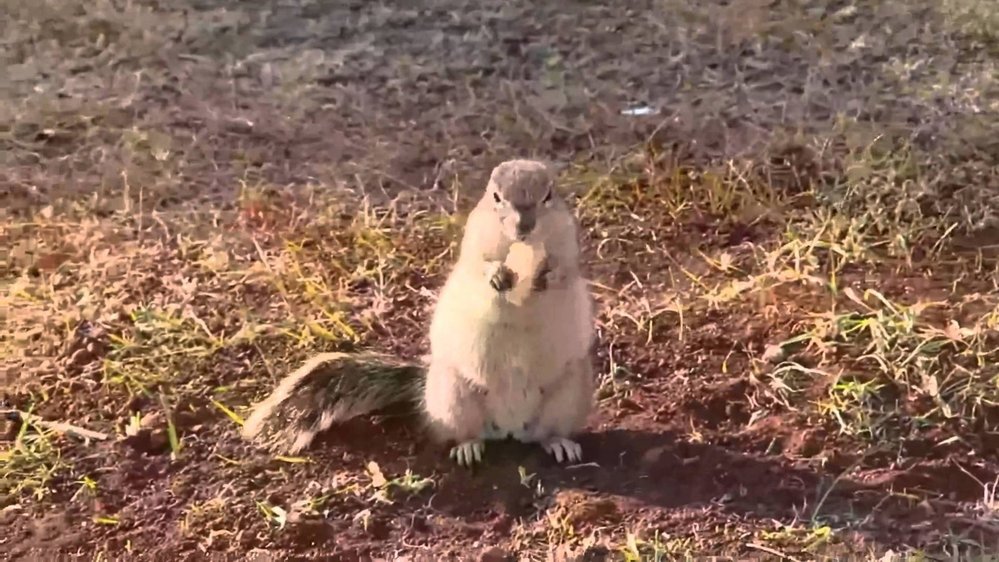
(500, 364)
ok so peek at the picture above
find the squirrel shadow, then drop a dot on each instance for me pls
(640, 467)
(635, 470)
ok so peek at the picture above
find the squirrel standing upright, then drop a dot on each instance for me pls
(497, 368)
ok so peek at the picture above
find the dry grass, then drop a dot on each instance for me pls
(182, 224)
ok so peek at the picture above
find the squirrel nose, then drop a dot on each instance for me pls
(525, 226)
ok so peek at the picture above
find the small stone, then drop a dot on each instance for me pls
(586, 509)
(79, 358)
(151, 419)
(158, 439)
(926, 507)
(774, 354)
(629, 404)
(653, 455)
(494, 554)
(148, 441)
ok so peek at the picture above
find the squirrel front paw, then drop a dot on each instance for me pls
(502, 278)
(549, 276)
(543, 279)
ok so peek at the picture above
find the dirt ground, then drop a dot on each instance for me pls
(791, 216)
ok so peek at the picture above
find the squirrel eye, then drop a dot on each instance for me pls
(548, 197)
(496, 197)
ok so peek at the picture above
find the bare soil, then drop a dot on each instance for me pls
(198, 195)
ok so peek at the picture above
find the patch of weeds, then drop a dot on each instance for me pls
(818, 247)
(950, 364)
(789, 379)
(560, 529)
(666, 194)
(656, 549)
(807, 262)
(202, 515)
(340, 276)
(155, 348)
(857, 406)
(29, 463)
(898, 364)
(885, 202)
(646, 317)
(976, 19)
(408, 482)
(616, 380)
(313, 505)
(88, 487)
(800, 539)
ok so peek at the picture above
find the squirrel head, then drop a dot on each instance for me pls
(523, 195)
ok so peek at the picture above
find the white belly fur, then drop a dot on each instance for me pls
(512, 351)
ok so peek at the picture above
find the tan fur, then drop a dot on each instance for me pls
(329, 388)
(254, 424)
(501, 369)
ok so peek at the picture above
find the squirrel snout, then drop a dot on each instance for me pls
(524, 226)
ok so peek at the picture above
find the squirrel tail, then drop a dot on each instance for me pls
(331, 388)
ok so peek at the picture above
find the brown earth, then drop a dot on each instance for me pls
(141, 135)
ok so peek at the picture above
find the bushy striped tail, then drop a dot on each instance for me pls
(331, 388)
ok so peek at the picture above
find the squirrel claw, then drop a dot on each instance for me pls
(502, 279)
(541, 279)
(563, 449)
(468, 452)
(549, 276)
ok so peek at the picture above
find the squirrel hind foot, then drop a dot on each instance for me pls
(467, 453)
(563, 449)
